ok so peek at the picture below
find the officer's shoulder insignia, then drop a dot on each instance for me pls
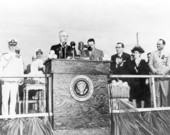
(4, 54)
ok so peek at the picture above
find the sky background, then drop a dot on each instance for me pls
(35, 23)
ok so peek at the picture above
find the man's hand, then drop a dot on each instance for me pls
(20, 81)
(136, 69)
(147, 81)
(118, 60)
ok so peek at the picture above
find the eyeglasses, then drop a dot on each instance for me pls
(159, 44)
(117, 47)
(12, 45)
(64, 36)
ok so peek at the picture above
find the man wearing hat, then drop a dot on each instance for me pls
(11, 64)
(159, 64)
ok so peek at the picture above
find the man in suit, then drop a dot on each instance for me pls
(95, 54)
(159, 64)
(62, 50)
(120, 65)
(120, 61)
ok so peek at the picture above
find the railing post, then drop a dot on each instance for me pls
(50, 97)
(154, 92)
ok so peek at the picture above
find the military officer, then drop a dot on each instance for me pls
(11, 64)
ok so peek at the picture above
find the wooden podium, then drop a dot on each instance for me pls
(79, 94)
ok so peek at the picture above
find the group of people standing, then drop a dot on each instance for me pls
(123, 64)
(11, 64)
(158, 64)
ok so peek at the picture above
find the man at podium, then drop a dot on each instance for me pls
(62, 50)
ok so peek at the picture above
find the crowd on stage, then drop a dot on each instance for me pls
(122, 63)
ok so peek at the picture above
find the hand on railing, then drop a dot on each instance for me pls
(147, 81)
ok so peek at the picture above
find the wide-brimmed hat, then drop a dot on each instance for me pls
(137, 48)
(12, 42)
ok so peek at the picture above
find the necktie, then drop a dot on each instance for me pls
(119, 56)
(159, 54)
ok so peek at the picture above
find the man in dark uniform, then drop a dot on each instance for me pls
(62, 50)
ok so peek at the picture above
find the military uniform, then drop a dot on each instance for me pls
(11, 64)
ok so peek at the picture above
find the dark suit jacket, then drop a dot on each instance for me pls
(125, 69)
(63, 52)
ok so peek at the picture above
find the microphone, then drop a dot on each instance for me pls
(89, 48)
(88, 51)
(81, 48)
(73, 44)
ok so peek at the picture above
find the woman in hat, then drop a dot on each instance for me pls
(140, 94)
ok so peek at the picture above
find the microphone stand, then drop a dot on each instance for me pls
(73, 47)
(60, 53)
(90, 52)
(81, 48)
(81, 53)
(65, 51)
(63, 46)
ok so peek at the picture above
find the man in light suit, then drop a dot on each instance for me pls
(160, 65)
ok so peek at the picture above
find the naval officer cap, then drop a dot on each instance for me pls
(12, 43)
(39, 51)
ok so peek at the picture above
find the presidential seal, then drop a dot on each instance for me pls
(81, 88)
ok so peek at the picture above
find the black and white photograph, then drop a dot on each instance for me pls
(84, 67)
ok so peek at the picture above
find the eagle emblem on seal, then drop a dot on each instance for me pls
(81, 88)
